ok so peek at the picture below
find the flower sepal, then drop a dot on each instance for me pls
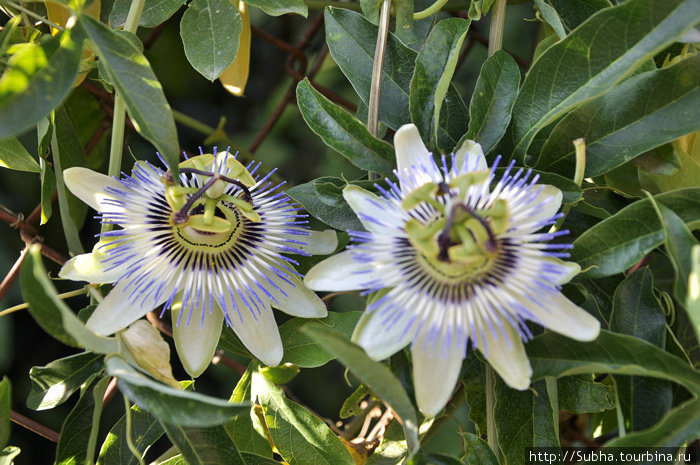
(148, 349)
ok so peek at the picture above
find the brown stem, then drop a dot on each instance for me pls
(35, 427)
(12, 276)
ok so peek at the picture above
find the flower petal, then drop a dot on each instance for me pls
(257, 329)
(561, 315)
(340, 272)
(531, 216)
(117, 310)
(196, 342)
(91, 267)
(294, 299)
(413, 160)
(381, 335)
(435, 372)
(508, 358)
(318, 242)
(372, 210)
(89, 186)
(469, 157)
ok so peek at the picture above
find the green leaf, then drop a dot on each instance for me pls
(302, 349)
(554, 355)
(679, 244)
(343, 132)
(370, 8)
(477, 451)
(678, 427)
(154, 12)
(8, 454)
(403, 11)
(254, 459)
(132, 77)
(580, 394)
(168, 404)
(551, 17)
(525, 419)
(145, 430)
(209, 31)
(638, 312)
(245, 427)
(281, 7)
(54, 383)
(474, 382)
(332, 210)
(52, 314)
(64, 145)
(204, 446)
(642, 113)
(435, 459)
(36, 80)
(573, 14)
(14, 156)
(493, 98)
(79, 430)
(693, 302)
(5, 407)
(48, 187)
(618, 242)
(374, 374)
(352, 39)
(300, 437)
(435, 65)
(608, 46)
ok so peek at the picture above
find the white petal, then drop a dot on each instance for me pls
(435, 373)
(117, 311)
(568, 269)
(561, 315)
(89, 186)
(340, 272)
(544, 206)
(299, 299)
(257, 330)
(373, 212)
(318, 242)
(509, 360)
(469, 157)
(196, 342)
(381, 335)
(91, 267)
(411, 152)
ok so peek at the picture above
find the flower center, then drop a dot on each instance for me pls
(459, 242)
(211, 215)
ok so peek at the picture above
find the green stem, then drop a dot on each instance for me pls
(65, 295)
(321, 4)
(209, 131)
(431, 10)
(33, 15)
(622, 431)
(129, 442)
(490, 391)
(119, 117)
(377, 68)
(580, 146)
(498, 16)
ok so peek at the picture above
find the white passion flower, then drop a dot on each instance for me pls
(452, 260)
(213, 248)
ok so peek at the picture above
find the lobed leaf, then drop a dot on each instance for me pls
(492, 101)
(554, 355)
(54, 383)
(134, 81)
(374, 374)
(618, 242)
(36, 80)
(14, 156)
(610, 45)
(168, 404)
(642, 113)
(343, 132)
(300, 437)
